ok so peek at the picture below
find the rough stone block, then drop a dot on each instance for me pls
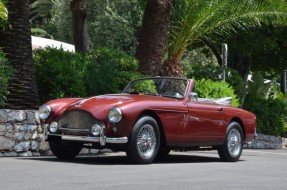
(9, 128)
(28, 136)
(9, 135)
(34, 145)
(11, 154)
(2, 128)
(35, 136)
(17, 116)
(32, 128)
(20, 136)
(22, 147)
(3, 116)
(26, 154)
(6, 143)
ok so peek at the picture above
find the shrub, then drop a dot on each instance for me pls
(109, 71)
(215, 89)
(41, 33)
(214, 72)
(5, 74)
(59, 73)
(64, 74)
(270, 113)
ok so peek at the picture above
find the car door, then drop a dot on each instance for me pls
(205, 123)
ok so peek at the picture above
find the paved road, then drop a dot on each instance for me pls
(257, 169)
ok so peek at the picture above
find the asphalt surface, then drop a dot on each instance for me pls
(257, 169)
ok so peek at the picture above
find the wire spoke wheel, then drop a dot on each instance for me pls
(231, 149)
(146, 141)
(234, 142)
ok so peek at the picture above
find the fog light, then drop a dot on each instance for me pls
(53, 127)
(96, 130)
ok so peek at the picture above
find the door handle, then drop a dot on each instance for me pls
(220, 109)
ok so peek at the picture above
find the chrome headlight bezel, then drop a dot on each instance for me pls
(44, 111)
(53, 127)
(115, 115)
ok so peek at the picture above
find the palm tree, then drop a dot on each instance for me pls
(16, 41)
(153, 36)
(3, 11)
(203, 21)
(80, 25)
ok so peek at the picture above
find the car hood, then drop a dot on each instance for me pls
(99, 106)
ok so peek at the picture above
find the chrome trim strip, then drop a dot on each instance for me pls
(115, 140)
(74, 130)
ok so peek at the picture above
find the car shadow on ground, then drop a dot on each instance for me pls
(121, 159)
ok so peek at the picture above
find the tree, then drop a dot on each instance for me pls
(206, 21)
(3, 11)
(153, 36)
(16, 41)
(80, 25)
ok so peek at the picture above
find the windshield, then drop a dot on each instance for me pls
(168, 87)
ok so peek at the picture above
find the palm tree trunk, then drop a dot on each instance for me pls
(80, 25)
(153, 36)
(18, 48)
(172, 67)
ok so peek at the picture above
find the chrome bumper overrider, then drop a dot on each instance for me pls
(102, 140)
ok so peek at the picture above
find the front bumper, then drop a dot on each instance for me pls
(102, 139)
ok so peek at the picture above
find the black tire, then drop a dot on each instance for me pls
(231, 150)
(163, 152)
(65, 150)
(144, 141)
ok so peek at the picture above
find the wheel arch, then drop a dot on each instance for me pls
(238, 120)
(159, 123)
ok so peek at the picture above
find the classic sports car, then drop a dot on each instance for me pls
(148, 119)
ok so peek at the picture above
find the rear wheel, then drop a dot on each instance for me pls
(231, 150)
(144, 141)
(65, 150)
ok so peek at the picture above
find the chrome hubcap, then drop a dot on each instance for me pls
(234, 142)
(146, 141)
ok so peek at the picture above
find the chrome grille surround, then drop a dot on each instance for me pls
(77, 122)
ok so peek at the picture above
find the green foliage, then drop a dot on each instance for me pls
(268, 104)
(3, 16)
(3, 11)
(64, 74)
(214, 72)
(59, 73)
(5, 74)
(41, 33)
(109, 71)
(207, 88)
(145, 86)
(270, 113)
(257, 87)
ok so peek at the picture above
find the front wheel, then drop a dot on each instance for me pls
(65, 150)
(144, 141)
(231, 150)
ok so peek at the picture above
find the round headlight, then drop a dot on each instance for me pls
(96, 130)
(44, 112)
(53, 127)
(115, 115)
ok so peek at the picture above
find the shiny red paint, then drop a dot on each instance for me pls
(184, 122)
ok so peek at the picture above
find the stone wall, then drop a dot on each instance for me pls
(22, 135)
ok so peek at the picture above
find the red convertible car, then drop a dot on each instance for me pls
(148, 119)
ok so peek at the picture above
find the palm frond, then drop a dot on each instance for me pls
(41, 8)
(195, 21)
(3, 11)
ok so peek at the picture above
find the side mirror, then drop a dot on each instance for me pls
(193, 96)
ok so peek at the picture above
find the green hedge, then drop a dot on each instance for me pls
(270, 113)
(66, 74)
(214, 72)
(207, 88)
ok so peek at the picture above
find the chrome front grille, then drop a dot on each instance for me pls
(76, 123)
